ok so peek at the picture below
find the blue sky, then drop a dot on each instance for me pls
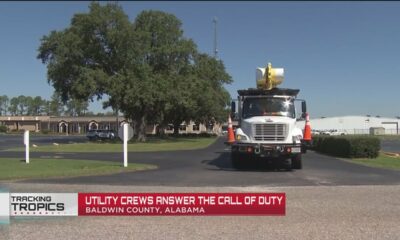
(345, 57)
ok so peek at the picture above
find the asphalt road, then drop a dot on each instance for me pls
(16, 140)
(391, 146)
(212, 167)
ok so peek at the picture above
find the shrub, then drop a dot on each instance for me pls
(365, 147)
(348, 146)
(45, 131)
(3, 128)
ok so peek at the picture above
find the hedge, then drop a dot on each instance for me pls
(348, 146)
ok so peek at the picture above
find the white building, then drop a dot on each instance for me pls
(354, 124)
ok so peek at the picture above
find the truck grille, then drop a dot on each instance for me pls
(269, 132)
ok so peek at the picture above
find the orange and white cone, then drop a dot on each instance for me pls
(231, 135)
(307, 129)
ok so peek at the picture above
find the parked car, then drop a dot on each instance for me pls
(338, 133)
(334, 132)
(315, 132)
(325, 133)
(100, 134)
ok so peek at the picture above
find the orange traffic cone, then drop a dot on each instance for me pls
(231, 135)
(307, 129)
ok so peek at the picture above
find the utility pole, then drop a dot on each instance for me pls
(215, 38)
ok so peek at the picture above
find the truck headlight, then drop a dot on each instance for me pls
(241, 137)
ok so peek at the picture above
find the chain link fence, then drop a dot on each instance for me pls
(359, 131)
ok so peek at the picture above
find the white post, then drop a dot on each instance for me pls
(26, 142)
(125, 145)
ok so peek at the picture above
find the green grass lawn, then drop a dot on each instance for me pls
(151, 146)
(15, 168)
(382, 161)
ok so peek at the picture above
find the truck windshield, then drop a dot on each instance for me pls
(268, 107)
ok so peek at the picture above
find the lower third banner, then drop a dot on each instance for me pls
(153, 204)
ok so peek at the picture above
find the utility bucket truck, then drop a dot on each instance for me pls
(267, 129)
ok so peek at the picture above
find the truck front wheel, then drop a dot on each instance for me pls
(296, 162)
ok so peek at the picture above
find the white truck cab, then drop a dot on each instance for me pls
(267, 125)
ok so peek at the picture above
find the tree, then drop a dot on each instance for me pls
(76, 107)
(168, 56)
(22, 104)
(55, 106)
(90, 113)
(97, 55)
(211, 96)
(35, 106)
(147, 68)
(4, 101)
(199, 95)
(13, 107)
(92, 57)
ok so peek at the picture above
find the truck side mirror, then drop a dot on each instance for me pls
(303, 107)
(233, 107)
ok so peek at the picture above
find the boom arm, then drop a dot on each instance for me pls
(268, 77)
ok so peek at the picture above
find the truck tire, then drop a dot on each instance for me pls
(288, 165)
(237, 161)
(296, 162)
